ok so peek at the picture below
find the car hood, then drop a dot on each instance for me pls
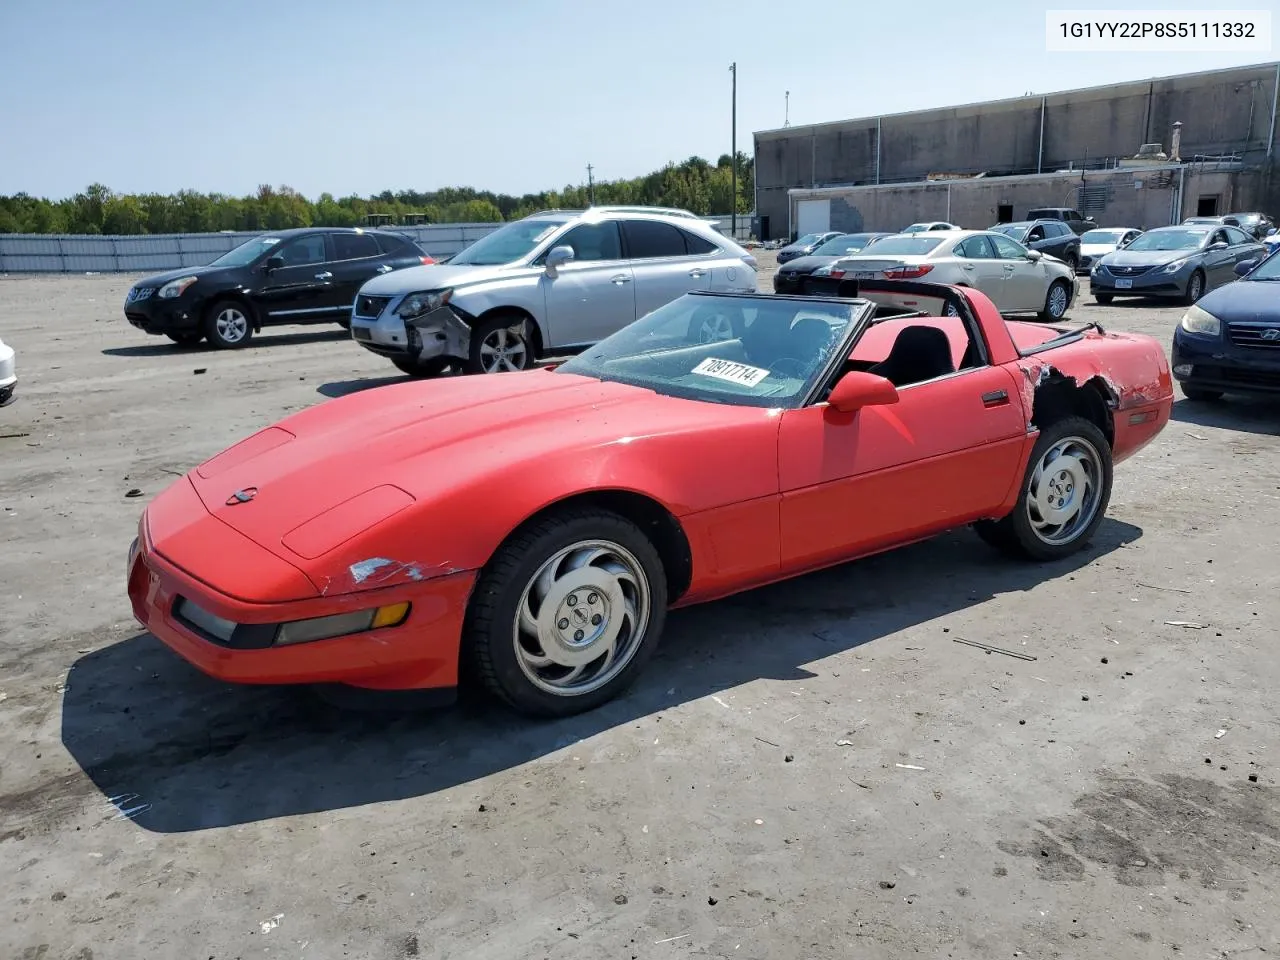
(1096, 249)
(160, 279)
(1148, 258)
(1244, 301)
(322, 477)
(808, 264)
(436, 276)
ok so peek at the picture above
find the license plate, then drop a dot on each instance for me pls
(863, 275)
(361, 333)
(1123, 284)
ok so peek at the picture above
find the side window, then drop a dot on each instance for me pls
(698, 246)
(304, 251)
(1219, 236)
(1058, 229)
(593, 241)
(395, 246)
(1006, 249)
(1237, 236)
(354, 246)
(648, 239)
(1037, 233)
(975, 248)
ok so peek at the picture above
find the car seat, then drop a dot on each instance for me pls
(919, 353)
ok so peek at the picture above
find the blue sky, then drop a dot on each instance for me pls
(511, 96)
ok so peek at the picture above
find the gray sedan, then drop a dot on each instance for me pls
(1183, 262)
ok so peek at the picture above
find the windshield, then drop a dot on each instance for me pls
(1015, 230)
(752, 351)
(1269, 269)
(507, 244)
(1168, 240)
(904, 246)
(843, 246)
(1101, 236)
(807, 239)
(246, 253)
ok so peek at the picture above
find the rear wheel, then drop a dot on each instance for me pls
(501, 344)
(1065, 491)
(227, 325)
(421, 368)
(1056, 300)
(567, 613)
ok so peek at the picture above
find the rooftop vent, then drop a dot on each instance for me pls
(1151, 151)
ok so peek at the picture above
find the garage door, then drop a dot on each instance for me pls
(812, 216)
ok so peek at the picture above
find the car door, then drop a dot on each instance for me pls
(302, 288)
(1219, 262)
(947, 453)
(357, 259)
(1242, 247)
(709, 268)
(980, 268)
(1060, 240)
(1037, 238)
(661, 263)
(1024, 280)
(593, 295)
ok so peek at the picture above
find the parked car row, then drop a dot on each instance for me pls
(1257, 225)
(1182, 262)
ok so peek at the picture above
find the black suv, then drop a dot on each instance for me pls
(1053, 237)
(306, 275)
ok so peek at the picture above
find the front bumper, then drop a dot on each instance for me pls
(1215, 363)
(152, 315)
(420, 654)
(1154, 283)
(443, 332)
(8, 374)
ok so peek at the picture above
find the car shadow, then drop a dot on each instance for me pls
(1245, 414)
(177, 751)
(167, 347)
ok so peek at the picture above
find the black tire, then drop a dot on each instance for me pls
(517, 331)
(421, 368)
(1103, 298)
(228, 325)
(186, 339)
(1201, 394)
(1073, 262)
(1015, 534)
(1195, 288)
(1059, 292)
(345, 322)
(491, 631)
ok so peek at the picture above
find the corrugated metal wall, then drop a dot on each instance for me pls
(56, 253)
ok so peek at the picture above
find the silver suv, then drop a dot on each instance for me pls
(556, 280)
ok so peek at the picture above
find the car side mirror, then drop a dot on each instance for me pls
(1244, 266)
(1034, 255)
(857, 389)
(275, 262)
(557, 258)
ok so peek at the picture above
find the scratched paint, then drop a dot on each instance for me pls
(380, 569)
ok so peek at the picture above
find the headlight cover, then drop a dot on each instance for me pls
(1175, 266)
(824, 270)
(176, 288)
(1198, 320)
(341, 624)
(423, 302)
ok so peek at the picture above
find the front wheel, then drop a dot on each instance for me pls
(227, 325)
(1065, 491)
(567, 613)
(1103, 298)
(1056, 300)
(1200, 393)
(1195, 288)
(501, 344)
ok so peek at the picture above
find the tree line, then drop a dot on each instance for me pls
(695, 184)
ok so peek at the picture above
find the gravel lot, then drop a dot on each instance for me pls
(812, 770)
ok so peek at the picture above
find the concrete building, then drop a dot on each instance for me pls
(1078, 148)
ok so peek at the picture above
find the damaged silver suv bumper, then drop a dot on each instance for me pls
(380, 325)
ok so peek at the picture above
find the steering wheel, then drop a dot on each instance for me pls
(781, 366)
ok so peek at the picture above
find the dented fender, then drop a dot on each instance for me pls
(440, 333)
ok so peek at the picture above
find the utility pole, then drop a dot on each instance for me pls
(591, 186)
(786, 111)
(733, 154)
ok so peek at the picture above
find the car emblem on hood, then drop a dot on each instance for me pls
(1271, 334)
(242, 496)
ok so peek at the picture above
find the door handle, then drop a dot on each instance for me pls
(967, 266)
(697, 272)
(324, 276)
(620, 279)
(996, 398)
(384, 269)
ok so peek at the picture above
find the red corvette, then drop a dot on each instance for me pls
(537, 526)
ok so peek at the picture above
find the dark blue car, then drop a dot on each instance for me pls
(1229, 341)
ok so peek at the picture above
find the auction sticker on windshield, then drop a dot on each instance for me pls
(731, 371)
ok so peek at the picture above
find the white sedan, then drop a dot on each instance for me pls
(8, 374)
(1016, 279)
